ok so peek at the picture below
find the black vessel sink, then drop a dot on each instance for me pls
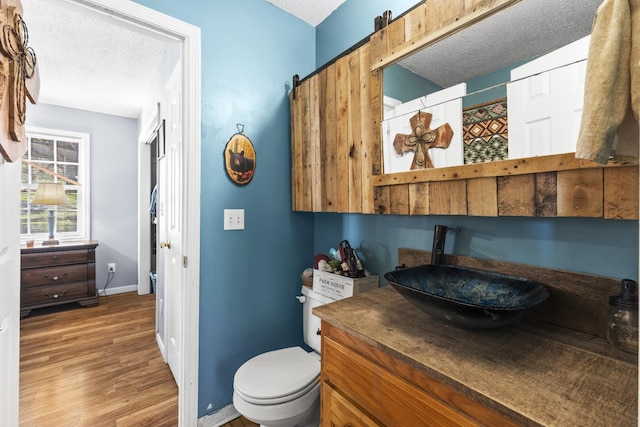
(469, 298)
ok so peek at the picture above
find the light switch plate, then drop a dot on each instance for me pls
(234, 219)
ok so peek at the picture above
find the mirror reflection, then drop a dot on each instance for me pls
(509, 86)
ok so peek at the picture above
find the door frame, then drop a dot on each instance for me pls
(10, 288)
(131, 14)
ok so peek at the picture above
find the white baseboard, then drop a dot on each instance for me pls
(220, 417)
(161, 347)
(118, 290)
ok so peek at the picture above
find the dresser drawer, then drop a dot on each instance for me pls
(52, 275)
(56, 258)
(53, 294)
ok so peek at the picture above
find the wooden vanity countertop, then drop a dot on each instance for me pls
(530, 372)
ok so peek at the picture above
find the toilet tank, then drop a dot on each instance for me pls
(311, 323)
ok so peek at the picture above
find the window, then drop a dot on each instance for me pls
(61, 157)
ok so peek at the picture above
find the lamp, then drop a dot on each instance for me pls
(50, 193)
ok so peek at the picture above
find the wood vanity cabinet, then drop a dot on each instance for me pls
(341, 412)
(60, 274)
(364, 386)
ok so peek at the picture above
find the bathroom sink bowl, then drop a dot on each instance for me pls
(469, 298)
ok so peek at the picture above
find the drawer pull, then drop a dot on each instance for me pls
(56, 296)
(54, 278)
(55, 257)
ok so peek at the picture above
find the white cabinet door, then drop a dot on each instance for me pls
(545, 101)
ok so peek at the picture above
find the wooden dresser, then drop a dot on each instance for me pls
(60, 274)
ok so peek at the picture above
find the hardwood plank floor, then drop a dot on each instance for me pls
(240, 422)
(97, 366)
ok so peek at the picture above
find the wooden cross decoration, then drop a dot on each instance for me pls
(19, 79)
(422, 139)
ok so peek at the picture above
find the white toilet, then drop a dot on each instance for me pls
(281, 388)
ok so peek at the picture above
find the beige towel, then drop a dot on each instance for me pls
(612, 82)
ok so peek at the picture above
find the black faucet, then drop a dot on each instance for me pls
(439, 238)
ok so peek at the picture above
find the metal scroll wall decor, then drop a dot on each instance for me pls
(19, 79)
(240, 158)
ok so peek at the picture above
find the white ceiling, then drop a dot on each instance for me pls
(311, 11)
(87, 61)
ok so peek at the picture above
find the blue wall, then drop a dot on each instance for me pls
(350, 23)
(404, 85)
(593, 246)
(497, 78)
(601, 247)
(249, 279)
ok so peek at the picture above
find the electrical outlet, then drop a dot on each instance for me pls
(111, 268)
(234, 219)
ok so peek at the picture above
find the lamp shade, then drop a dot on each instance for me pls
(50, 193)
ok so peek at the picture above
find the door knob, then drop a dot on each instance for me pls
(166, 244)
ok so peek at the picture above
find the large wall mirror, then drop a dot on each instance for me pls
(509, 86)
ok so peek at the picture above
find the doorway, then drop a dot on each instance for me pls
(130, 14)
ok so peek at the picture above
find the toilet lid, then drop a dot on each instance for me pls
(277, 376)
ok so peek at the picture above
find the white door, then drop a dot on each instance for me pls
(161, 236)
(9, 291)
(545, 102)
(170, 222)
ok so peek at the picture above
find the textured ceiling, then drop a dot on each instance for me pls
(88, 61)
(524, 30)
(311, 11)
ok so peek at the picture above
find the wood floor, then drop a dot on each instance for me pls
(97, 366)
(240, 422)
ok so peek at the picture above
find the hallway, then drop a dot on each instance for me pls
(97, 366)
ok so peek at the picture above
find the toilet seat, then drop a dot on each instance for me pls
(277, 376)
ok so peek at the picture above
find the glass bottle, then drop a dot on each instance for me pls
(622, 331)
